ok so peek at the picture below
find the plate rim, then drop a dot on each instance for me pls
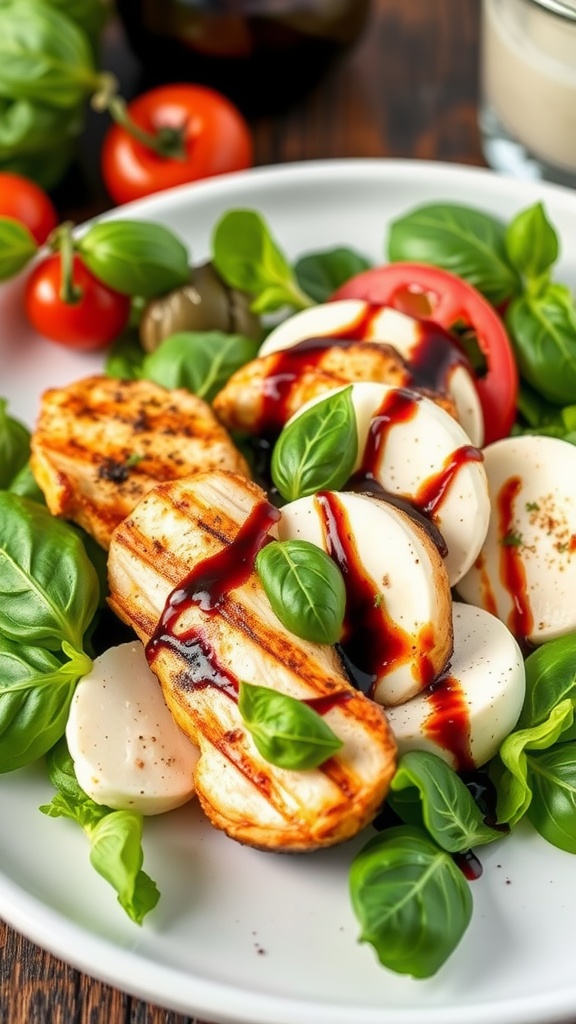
(41, 923)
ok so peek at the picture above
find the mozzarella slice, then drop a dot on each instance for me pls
(127, 750)
(465, 716)
(424, 456)
(526, 570)
(398, 630)
(416, 341)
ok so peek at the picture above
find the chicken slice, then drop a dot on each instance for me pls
(262, 395)
(101, 444)
(201, 656)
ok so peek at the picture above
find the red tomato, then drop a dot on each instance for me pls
(92, 322)
(26, 202)
(428, 293)
(215, 138)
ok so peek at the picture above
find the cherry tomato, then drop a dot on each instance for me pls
(26, 202)
(428, 293)
(215, 139)
(92, 322)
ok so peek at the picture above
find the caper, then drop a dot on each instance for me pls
(205, 304)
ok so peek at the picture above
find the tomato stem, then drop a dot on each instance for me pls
(63, 242)
(166, 141)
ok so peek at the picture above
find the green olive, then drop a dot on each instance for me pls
(205, 304)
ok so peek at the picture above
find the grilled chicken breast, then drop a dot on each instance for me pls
(262, 395)
(201, 649)
(100, 444)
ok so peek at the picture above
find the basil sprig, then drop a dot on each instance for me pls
(247, 257)
(286, 731)
(49, 593)
(115, 837)
(411, 900)
(305, 588)
(135, 257)
(317, 450)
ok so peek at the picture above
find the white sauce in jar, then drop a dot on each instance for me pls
(529, 76)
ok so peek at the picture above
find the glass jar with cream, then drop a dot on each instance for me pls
(528, 86)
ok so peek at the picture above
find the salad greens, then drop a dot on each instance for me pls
(512, 266)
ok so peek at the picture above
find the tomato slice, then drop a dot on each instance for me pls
(428, 293)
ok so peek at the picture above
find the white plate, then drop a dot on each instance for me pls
(239, 935)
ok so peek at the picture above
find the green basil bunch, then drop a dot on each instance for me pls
(49, 593)
(47, 72)
(535, 772)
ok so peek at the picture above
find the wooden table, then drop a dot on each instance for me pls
(409, 89)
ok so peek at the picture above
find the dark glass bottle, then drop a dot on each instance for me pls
(263, 54)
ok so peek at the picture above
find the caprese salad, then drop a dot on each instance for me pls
(334, 508)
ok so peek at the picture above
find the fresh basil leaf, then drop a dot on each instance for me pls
(116, 854)
(305, 588)
(248, 258)
(509, 770)
(411, 900)
(89, 15)
(319, 274)
(317, 450)
(537, 416)
(447, 808)
(532, 244)
(48, 587)
(14, 445)
(17, 247)
(125, 356)
(35, 693)
(135, 257)
(115, 836)
(552, 810)
(201, 361)
(460, 239)
(62, 775)
(550, 679)
(543, 331)
(44, 56)
(24, 484)
(287, 732)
